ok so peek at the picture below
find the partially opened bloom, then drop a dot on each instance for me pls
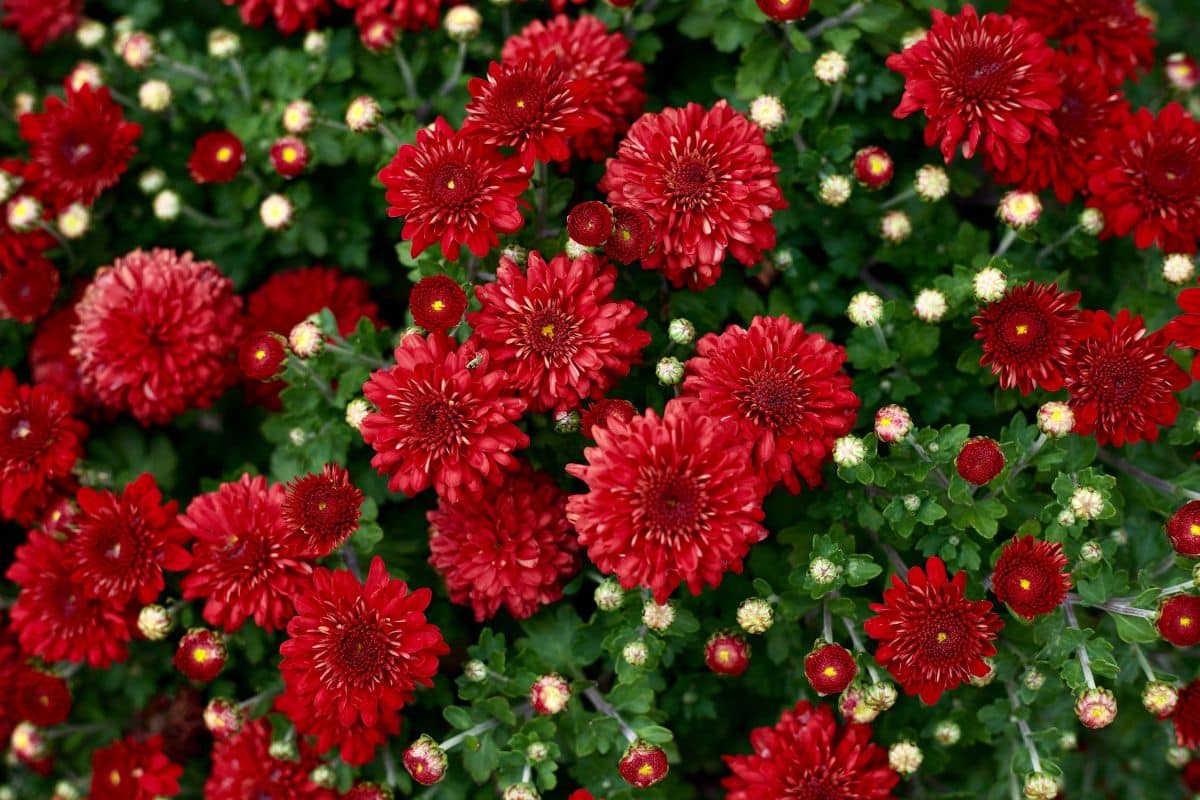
(322, 510)
(242, 767)
(1187, 716)
(1029, 576)
(217, 157)
(1183, 530)
(1111, 35)
(288, 15)
(1029, 336)
(40, 22)
(132, 769)
(437, 303)
(1178, 620)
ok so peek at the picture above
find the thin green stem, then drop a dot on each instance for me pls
(858, 645)
(832, 22)
(406, 74)
(606, 708)
(1138, 474)
(1057, 243)
(1010, 236)
(1085, 663)
(482, 727)
(904, 196)
(1143, 663)
(240, 75)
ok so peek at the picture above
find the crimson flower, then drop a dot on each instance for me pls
(437, 303)
(1029, 576)
(50, 359)
(217, 157)
(242, 767)
(289, 15)
(1108, 34)
(1184, 330)
(27, 288)
(38, 696)
(604, 409)
(1183, 530)
(410, 15)
(1187, 716)
(129, 769)
(291, 296)
(1029, 336)
(40, 22)
(322, 510)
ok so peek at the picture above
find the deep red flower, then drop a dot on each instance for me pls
(1183, 529)
(289, 15)
(289, 156)
(1121, 381)
(555, 330)
(707, 180)
(27, 289)
(727, 653)
(1145, 181)
(40, 698)
(601, 411)
(1109, 34)
(242, 767)
(1187, 716)
(1184, 330)
(50, 359)
(513, 547)
(873, 167)
(452, 189)
(785, 389)
(1178, 620)
(355, 653)
(586, 50)
(134, 770)
(437, 303)
(445, 419)
(201, 655)
(1029, 576)
(261, 355)
(784, 10)
(216, 157)
(830, 668)
(244, 563)
(368, 791)
(123, 543)
(643, 764)
(322, 510)
(590, 223)
(40, 22)
(671, 499)
(83, 145)
(979, 460)
(291, 296)
(1029, 336)
(411, 15)
(632, 235)
(156, 335)
(983, 83)
(807, 755)
(932, 638)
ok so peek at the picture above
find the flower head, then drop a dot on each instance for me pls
(979, 460)
(243, 766)
(425, 761)
(217, 157)
(830, 668)
(549, 694)
(1110, 35)
(873, 167)
(1186, 716)
(727, 653)
(322, 509)
(289, 16)
(132, 769)
(1096, 708)
(38, 697)
(1029, 576)
(262, 355)
(1178, 620)
(437, 303)
(201, 655)
(784, 10)
(40, 22)
(643, 764)
(1029, 335)
(590, 223)
(892, 423)
(1183, 530)
(599, 412)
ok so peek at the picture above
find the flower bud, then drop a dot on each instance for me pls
(85, 74)
(609, 595)
(980, 681)
(873, 167)
(154, 95)
(905, 757)
(223, 718)
(881, 695)
(521, 791)
(755, 615)
(1087, 503)
(1068, 741)
(223, 43)
(635, 653)
(835, 190)
(462, 23)
(767, 112)
(154, 623)
(324, 776)
(137, 50)
(892, 424)
(64, 790)
(727, 653)
(1177, 757)
(1178, 620)
(848, 451)
(1159, 698)
(515, 253)
(1020, 210)
(895, 226)
(549, 694)
(276, 212)
(830, 668)
(1096, 708)
(90, 33)
(152, 180)
(930, 305)
(656, 617)
(831, 67)
(566, 421)
(316, 43)
(167, 205)
(1091, 221)
(1178, 269)
(74, 221)
(24, 214)
(201, 654)
(979, 460)
(1040, 786)
(865, 309)
(425, 761)
(475, 671)
(932, 183)
(681, 331)
(989, 285)
(283, 750)
(669, 371)
(1065, 518)
(1091, 552)
(1182, 72)
(1055, 419)
(575, 250)
(912, 37)
(643, 764)
(357, 410)
(298, 117)
(1033, 679)
(363, 114)
(305, 339)
(947, 733)
(28, 742)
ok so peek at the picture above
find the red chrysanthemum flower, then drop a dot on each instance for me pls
(411, 15)
(931, 637)
(1178, 620)
(632, 235)
(322, 510)
(1145, 180)
(671, 499)
(40, 22)
(727, 653)
(53, 618)
(437, 303)
(289, 297)
(586, 50)
(556, 331)
(784, 10)
(27, 289)
(289, 156)
(830, 668)
(445, 419)
(50, 359)
(40, 442)
(452, 189)
(1121, 381)
(242, 766)
(706, 178)
(513, 547)
(1108, 34)
(40, 698)
(590, 223)
(643, 764)
(244, 563)
(983, 83)
(1187, 716)
(1183, 529)
(355, 654)
(289, 15)
(261, 355)
(601, 411)
(1029, 576)
(216, 157)
(1184, 330)
(1029, 335)
(786, 390)
(201, 655)
(83, 145)
(979, 460)
(807, 755)
(134, 770)
(156, 335)
(122, 543)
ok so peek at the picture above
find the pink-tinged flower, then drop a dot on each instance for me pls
(1108, 34)
(643, 764)
(727, 653)
(130, 769)
(1029, 336)
(289, 15)
(40, 22)
(243, 767)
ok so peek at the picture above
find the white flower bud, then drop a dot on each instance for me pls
(989, 285)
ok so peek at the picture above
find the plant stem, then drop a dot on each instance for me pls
(1009, 237)
(858, 645)
(1143, 663)
(390, 135)
(1156, 483)
(1085, 663)
(406, 73)
(1057, 243)
(451, 81)
(240, 74)
(203, 218)
(904, 196)
(183, 69)
(482, 727)
(541, 173)
(828, 619)
(832, 22)
(350, 557)
(606, 708)
(1021, 464)
(260, 696)
(389, 766)
(1177, 588)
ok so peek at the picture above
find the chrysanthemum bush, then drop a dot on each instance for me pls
(669, 398)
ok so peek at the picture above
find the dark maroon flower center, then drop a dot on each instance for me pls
(518, 99)
(1172, 174)
(690, 181)
(452, 185)
(672, 504)
(772, 398)
(814, 787)
(1118, 380)
(551, 334)
(981, 74)
(357, 654)
(942, 637)
(1022, 330)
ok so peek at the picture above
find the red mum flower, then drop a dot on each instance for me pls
(1179, 620)
(554, 329)
(323, 509)
(445, 418)
(53, 618)
(601, 411)
(873, 167)
(355, 654)
(932, 638)
(40, 698)
(201, 655)
(830, 668)
(807, 755)
(1121, 381)
(288, 298)
(512, 547)
(983, 83)
(244, 563)
(289, 15)
(707, 180)
(134, 770)
(533, 106)
(453, 189)
(411, 15)
(632, 235)
(217, 157)
(590, 224)
(1187, 716)
(1145, 181)
(1109, 34)
(1029, 576)
(1184, 330)
(1183, 529)
(50, 359)
(289, 156)
(671, 499)
(437, 303)
(27, 290)
(40, 22)
(643, 764)
(83, 145)
(155, 335)
(586, 50)
(783, 387)
(123, 542)
(261, 356)
(784, 10)
(979, 460)
(1029, 335)
(242, 766)
(727, 653)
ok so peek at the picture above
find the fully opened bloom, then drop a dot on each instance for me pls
(40, 22)
(437, 303)
(242, 766)
(1029, 576)
(555, 329)
(1187, 716)
(1111, 35)
(1029, 335)
(130, 769)
(322, 510)
(671, 499)
(931, 637)
(288, 15)
(786, 390)
(707, 180)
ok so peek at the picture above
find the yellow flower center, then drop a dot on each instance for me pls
(1025, 583)
(830, 672)
(439, 305)
(224, 154)
(1022, 330)
(200, 655)
(942, 636)
(548, 330)
(289, 154)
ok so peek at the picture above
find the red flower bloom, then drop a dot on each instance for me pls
(727, 653)
(1183, 529)
(783, 387)
(512, 547)
(83, 145)
(411, 15)
(601, 411)
(123, 543)
(437, 303)
(554, 329)
(289, 15)
(1187, 716)
(1179, 620)
(643, 764)
(830, 668)
(355, 654)
(807, 755)
(242, 766)
(1108, 34)
(873, 167)
(50, 359)
(40, 698)
(590, 223)
(932, 638)
(453, 189)
(979, 460)
(587, 51)
(322, 510)
(244, 562)
(983, 83)
(632, 235)
(784, 10)
(27, 289)
(445, 418)
(40, 22)
(706, 178)
(155, 335)
(289, 297)
(262, 355)
(1029, 335)
(133, 770)
(671, 499)
(1144, 180)
(201, 655)
(289, 156)
(217, 157)
(1029, 576)
(1184, 330)
(1121, 381)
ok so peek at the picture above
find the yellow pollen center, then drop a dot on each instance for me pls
(419, 767)
(1096, 712)
(260, 354)
(1185, 622)
(200, 655)
(1194, 530)
(520, 104)
(645, 770)
(942, 636)
(321, 506)
(1022, 330)
(1025, 583)
(830, 672)
(450, 184)
(724, 656)
(885, 423)
(114, 778)
(438, 305)
(548, 330)
(224, 154)
(1056, 415)
(877, 165)
(289, 154)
